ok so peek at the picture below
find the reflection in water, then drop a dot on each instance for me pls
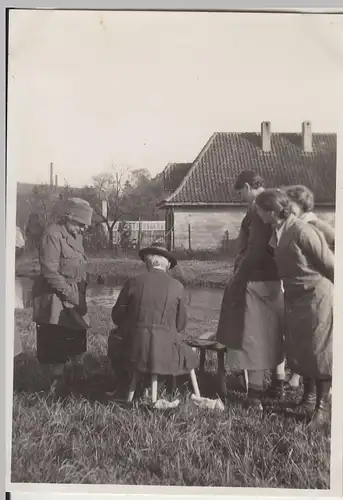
(203, 298)
(199, 298)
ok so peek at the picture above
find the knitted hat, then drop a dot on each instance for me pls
(79, 210)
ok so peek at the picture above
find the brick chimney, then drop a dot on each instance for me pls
(307, 137)
(266, 137)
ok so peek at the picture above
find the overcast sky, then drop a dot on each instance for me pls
(91, 89)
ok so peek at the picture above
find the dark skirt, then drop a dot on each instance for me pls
(57, 344)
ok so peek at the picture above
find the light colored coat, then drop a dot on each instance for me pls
(327, 230)
(62, 279)
(306, 266)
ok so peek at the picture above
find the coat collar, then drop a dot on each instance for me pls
(75, 243)
(277, 235)
(308, 217)
(289, 222)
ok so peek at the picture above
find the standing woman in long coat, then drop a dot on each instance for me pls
(302, 202)
(306, 266)
(59, 292)
(251, 317)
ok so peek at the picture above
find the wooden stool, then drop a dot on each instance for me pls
(204, 344)
(154, 379)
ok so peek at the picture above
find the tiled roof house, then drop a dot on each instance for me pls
(202, 207)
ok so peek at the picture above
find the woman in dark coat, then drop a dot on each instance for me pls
(59, 292)
(306, 267)
(151, 317)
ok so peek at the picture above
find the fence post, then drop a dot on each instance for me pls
(189, 238)
(227, 240)
(139, 234)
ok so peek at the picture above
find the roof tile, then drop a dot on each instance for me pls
(212, 176)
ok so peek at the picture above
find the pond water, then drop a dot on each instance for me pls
(197, 299)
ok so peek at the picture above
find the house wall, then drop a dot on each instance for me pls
(208, 226)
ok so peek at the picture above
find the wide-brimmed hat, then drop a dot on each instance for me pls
(158, 248)
(79, 210)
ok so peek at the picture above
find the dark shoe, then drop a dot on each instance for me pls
(308, 402)
(320, 417)
(276, 391)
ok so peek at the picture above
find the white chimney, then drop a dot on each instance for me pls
(104, 208)
(307, 137)
(266, 136)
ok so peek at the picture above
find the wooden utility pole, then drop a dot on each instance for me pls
(51, 175)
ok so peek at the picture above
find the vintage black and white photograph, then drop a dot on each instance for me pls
(175, 184)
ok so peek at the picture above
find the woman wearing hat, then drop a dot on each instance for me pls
(150, 315)
(59, 292)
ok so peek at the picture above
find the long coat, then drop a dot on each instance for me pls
(254, 263)
(151, 316)
(306, 266)
(62, 279)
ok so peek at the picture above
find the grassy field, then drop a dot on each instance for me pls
(87, 438)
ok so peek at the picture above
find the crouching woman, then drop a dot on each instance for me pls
(59, 292)
(306, 266)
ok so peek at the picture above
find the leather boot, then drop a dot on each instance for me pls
(321, 414)
(309, 399)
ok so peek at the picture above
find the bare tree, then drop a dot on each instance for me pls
(106, 197)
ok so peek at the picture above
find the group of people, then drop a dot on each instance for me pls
(276, 308)
(279, 303)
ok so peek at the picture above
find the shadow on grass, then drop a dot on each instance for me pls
(95, 379)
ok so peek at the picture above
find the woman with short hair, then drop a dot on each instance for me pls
(306, 267)
(302, 205)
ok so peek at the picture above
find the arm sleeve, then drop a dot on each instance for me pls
(258, 239)
(315, 248)
(50, 254)
(327, 230)
(181, 316)
(120, 307)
